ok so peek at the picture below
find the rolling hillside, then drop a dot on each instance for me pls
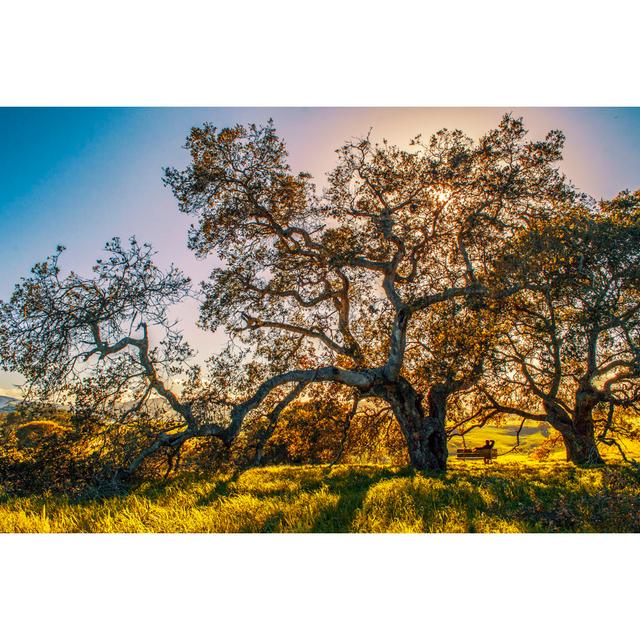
(7, 403)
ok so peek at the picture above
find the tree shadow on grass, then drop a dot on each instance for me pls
(223, 488)
(351, 484)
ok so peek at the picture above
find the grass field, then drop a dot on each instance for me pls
(504, 497)
(515, 494)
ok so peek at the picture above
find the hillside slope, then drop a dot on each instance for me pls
(7, 403)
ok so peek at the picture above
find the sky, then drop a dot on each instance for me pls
(80, 176)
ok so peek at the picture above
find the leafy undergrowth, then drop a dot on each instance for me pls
(507, 497)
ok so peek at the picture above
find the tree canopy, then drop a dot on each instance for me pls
(572, 340)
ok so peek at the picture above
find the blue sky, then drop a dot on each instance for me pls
(81, 176)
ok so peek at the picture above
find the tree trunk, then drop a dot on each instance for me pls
(580, 441)
(578, 432)
(437, 399)
(581, 448)
(425, 435)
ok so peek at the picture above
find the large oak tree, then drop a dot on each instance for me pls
(378, 284)
(349, 276)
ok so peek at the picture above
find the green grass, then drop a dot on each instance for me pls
(504, 497)
(532, 437)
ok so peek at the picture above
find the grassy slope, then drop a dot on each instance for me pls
(505, 497)
(530, 439)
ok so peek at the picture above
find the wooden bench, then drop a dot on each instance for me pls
(481, 454)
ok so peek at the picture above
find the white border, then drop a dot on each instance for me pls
(323, 586)
(344, 53)
(335, 52)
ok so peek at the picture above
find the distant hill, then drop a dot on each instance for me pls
(7, 403)
(504, 436)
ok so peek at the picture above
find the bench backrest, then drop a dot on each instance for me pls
(481, 453)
